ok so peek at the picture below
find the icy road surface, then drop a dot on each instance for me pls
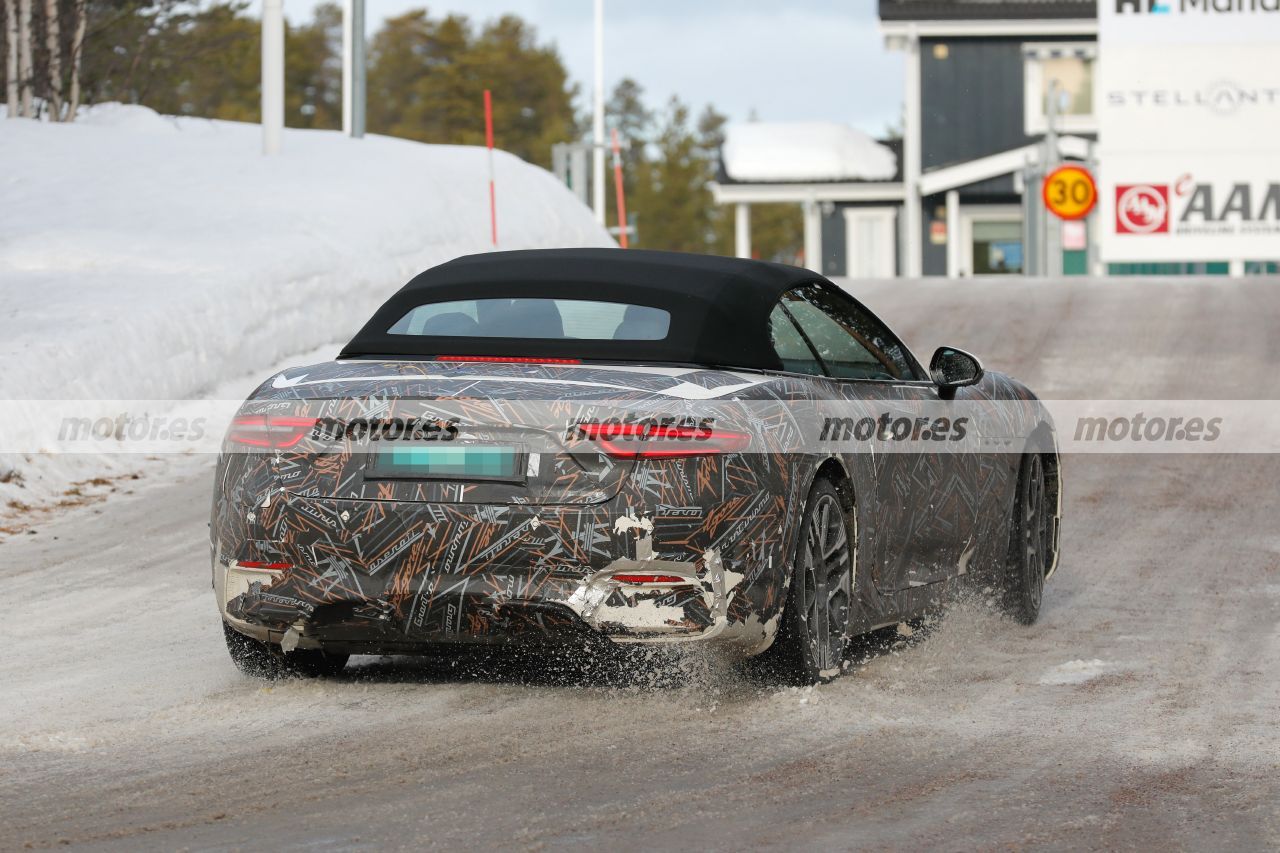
(1142, 710)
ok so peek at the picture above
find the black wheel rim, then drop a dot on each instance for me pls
(1036, 530)
(826, 584)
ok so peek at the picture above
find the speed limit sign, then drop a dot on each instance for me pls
(1069, 192)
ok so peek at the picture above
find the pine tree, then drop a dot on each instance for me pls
(427, 82)
(710, 141)
(675, 201)
(626, 113)
(313, 71)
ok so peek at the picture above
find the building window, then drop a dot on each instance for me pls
(997, 248)
(1072, 67)
(990, 239)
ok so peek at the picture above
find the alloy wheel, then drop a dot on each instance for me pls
(826, 582)
(1036, 530)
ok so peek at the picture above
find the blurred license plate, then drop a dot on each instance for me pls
(455, 462)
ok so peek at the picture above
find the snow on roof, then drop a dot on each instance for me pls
(804, 151)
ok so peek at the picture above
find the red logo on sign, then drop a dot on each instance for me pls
(1142, 209)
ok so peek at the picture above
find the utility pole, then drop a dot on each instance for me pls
(1051, 239)
(272, 75)
(912, 217)
(597, 124)
(353, 68)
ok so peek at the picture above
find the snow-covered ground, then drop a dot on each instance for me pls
(151, 257)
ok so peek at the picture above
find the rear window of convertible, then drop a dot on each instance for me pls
(557, 319)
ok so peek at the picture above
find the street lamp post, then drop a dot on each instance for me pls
(353, 68)
(597, 124)
(272, 75)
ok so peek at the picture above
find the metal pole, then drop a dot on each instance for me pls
(1051, 242)
(353, 68)
(912, 219)
(1092, 264)
(272, 75)
(597, 124)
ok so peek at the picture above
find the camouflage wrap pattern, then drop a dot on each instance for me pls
(395, 565)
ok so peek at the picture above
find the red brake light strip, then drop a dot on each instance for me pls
(652, 441)
(663, 579)
(509, 359)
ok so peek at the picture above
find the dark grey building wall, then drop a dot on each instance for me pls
(833, 248)
(971, 101)
(972, 104)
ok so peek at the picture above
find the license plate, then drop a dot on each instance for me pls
(456, 462)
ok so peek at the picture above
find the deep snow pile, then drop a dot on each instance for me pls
(144, 256)
(804, 151)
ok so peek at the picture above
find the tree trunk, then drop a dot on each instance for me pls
(11, 56)
(77, 49)
(25, 70)
(53, 42)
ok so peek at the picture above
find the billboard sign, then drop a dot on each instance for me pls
(1189, 123)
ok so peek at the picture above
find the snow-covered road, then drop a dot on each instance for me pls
(1141, 711)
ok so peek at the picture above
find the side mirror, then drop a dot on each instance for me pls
(953, 368)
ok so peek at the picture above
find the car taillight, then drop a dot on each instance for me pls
(258, 564)
(509, 359)
(652, 441)
(274, 431)
(662, 579)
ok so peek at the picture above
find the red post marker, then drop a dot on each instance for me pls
(618, 191)
(488, 138)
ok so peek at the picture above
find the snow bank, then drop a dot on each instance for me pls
(804, 151)
(149, 257)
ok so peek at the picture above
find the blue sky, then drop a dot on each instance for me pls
(793, 60)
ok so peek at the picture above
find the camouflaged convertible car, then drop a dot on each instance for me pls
(569, 446)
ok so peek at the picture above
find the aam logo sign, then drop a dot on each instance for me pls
(1142, 209)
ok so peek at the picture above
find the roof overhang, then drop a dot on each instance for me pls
(898, 33)
(995, 165)
(931, 182)
(800, 192)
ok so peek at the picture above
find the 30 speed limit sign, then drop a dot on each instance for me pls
(1069, 192)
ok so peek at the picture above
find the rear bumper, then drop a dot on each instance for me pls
(693, 608)
(421, 575)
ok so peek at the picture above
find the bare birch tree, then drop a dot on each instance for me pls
(53, 43)
(11, 56)
(26, 72)
(77, 50)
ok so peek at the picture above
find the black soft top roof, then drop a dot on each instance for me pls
(719, 306)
